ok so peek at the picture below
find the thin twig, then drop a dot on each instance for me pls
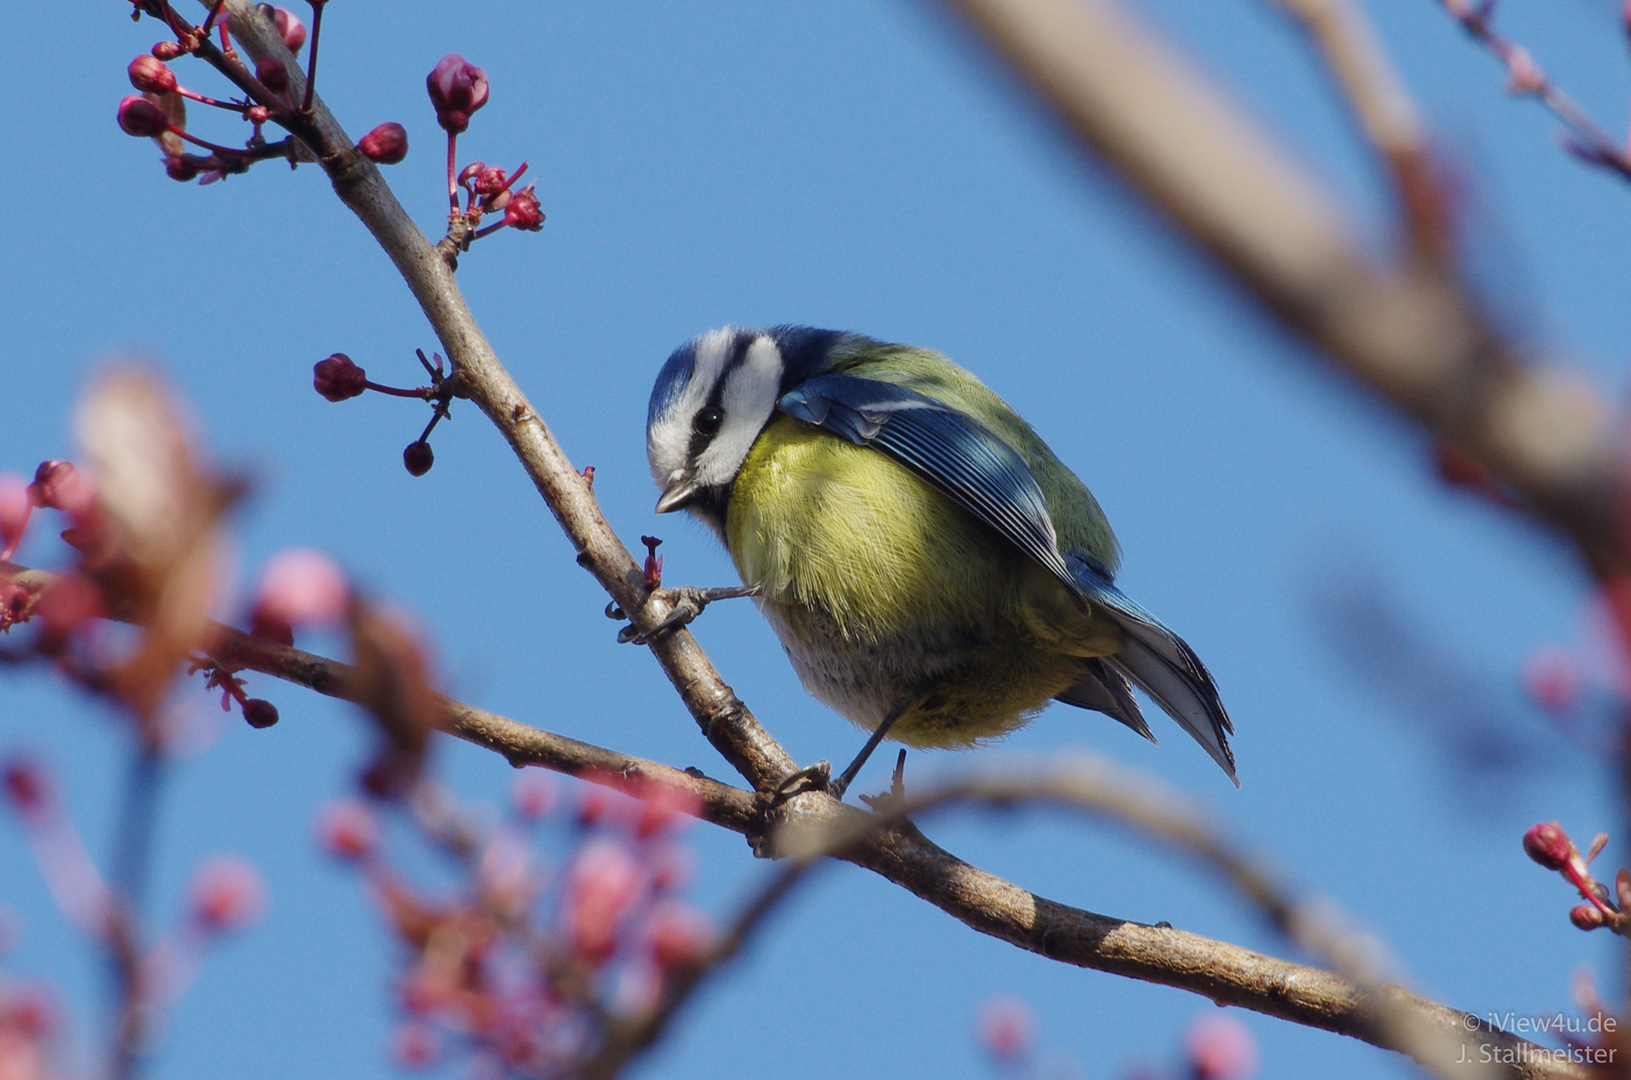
(1587, 140)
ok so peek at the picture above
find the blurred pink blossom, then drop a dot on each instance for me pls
(1006, 1028)
(227, 893)
(1220, 1048)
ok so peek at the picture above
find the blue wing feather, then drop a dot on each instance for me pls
(977, 470)
(956, 454)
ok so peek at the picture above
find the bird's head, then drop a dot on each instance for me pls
(713, 397)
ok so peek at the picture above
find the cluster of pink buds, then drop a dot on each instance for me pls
(1551, 847)
(519, 969)
(457, 89)
(339, 378)
(158, 110)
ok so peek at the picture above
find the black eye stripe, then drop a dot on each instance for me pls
(703, 432)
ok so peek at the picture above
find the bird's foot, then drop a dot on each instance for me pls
(817, 777)
(896, 795)
(688, 602)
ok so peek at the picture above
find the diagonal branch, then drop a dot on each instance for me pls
(1219, 971)
(724, 719)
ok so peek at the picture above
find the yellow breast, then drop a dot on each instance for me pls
(881, 589)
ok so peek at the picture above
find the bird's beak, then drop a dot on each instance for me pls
(680, 494)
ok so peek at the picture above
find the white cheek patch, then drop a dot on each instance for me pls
(748, 398)
(668, 440)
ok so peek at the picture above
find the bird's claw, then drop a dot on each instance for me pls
(688, 602)
(817, 777)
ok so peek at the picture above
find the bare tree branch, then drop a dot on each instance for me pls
(1217, 970)
(1406, 327)
(724, 719)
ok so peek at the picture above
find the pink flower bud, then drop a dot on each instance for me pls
(257, 114)
(522, 211)
(1220, 1048)
(14, 603)
(386, 144)
(533, 794)
(471, 171)
(142, 118)
(414, 1045)
(456, 89)
(1553, 680)
(337, 378)
(166, 50)
(1586, 917)
(16, 505)
(1006, 1028)
(272, 74)
(680, 934)
(301, 587)
(59, 486)
(260, 713)
(227, 894)
(182, 168)
(602, 883)
(490, 180)
(151, 75)
(292, 30)
(418, 458)
(348, 829)
(1548, 845)
(27, 788)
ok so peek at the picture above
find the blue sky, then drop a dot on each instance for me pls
(858, 164)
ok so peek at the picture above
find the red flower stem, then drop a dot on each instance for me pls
(423, 393)
(1588, 892)
(435, 418)
(226, 43)
(452, 174)
(513, 178)
(215, 12)
(488, 231)
(211, 147)
(193, 95)
(311, 57)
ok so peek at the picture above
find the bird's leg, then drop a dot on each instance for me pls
(837, 788)
(688, 601)
(814, 777)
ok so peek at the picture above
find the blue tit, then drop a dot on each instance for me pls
(931, 568)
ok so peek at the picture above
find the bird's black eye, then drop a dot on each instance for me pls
(708, 421)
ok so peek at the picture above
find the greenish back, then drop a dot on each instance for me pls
(1076, 515)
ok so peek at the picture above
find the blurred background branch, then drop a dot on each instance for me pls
(1403, 325)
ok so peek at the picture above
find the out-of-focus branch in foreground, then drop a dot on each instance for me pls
(1404, 326)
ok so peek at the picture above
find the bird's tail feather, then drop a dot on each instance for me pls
(1163, 665)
